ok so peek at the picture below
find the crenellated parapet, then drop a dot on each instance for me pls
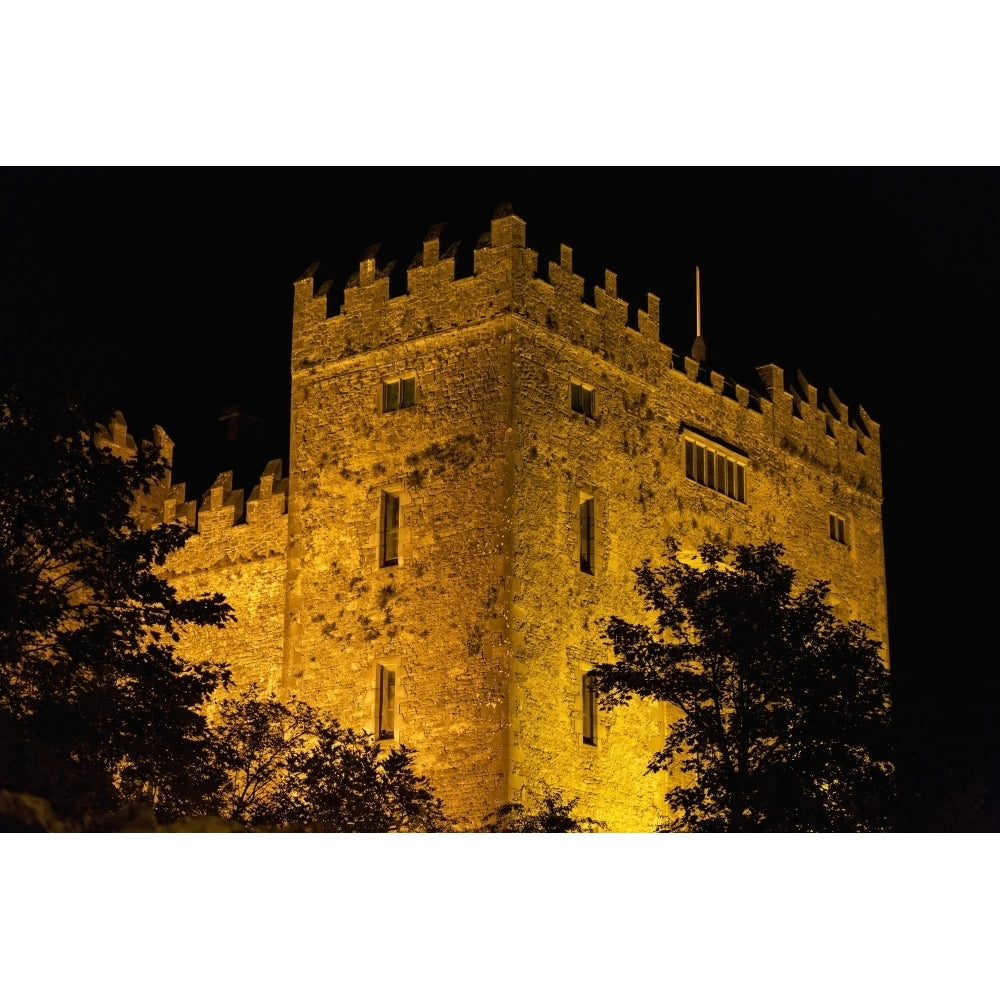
(239, 549)
(269, 498)
(258, 525)
(222, 507)
(176, 506)
(115, 437)
(821, 430)
(505, 282)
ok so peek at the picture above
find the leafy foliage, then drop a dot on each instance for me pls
(101, 721)
(549, 813)
(782, 711)
(289, 766)
(96, 708)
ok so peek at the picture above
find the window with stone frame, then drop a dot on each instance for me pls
(386, 702)
(389, 529)
(581, 398)
(588, 554)
(715, 466)
(838, 529)
(589, 710)
(399, 393)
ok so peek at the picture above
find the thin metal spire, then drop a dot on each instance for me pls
(697, 299)
(698, 351)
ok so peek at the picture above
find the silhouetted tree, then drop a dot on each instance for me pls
(782, 711)
(97, 709)
(290, 766)
(549, 813)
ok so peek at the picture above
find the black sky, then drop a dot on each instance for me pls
(168, 295)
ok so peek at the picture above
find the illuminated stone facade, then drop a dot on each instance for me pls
(476, 468)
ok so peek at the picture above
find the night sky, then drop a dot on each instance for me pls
(167, 294)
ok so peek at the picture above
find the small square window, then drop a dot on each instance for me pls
(398, 393)
(386, 703)
(581, 398)
(589, 711)
(838, 529)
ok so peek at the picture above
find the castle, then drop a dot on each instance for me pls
(476, 467)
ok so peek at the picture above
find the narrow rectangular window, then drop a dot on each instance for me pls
(581, 398)
(386, 703)
(689, 459)
(838, 529)
(389, 555)
(589, 711)
(390, 396)
(587, 535)
(408, 391)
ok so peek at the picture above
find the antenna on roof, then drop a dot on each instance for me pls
(698, 351)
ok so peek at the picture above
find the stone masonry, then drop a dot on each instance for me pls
(476, 468)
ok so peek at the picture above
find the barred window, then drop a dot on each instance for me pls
(389, 540)
(714, 467)
(582, 398)
(398, 393)
(386, 703)
(587, 534)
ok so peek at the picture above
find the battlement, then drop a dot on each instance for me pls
(238, 548)
(505, 283)
(115, 437)
(223, 507)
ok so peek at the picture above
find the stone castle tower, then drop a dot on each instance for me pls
(476, 468)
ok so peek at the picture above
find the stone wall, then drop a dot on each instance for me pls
(243, 555)
(437, 617)
(630, 458)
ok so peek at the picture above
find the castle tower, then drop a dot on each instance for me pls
(476, 468)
